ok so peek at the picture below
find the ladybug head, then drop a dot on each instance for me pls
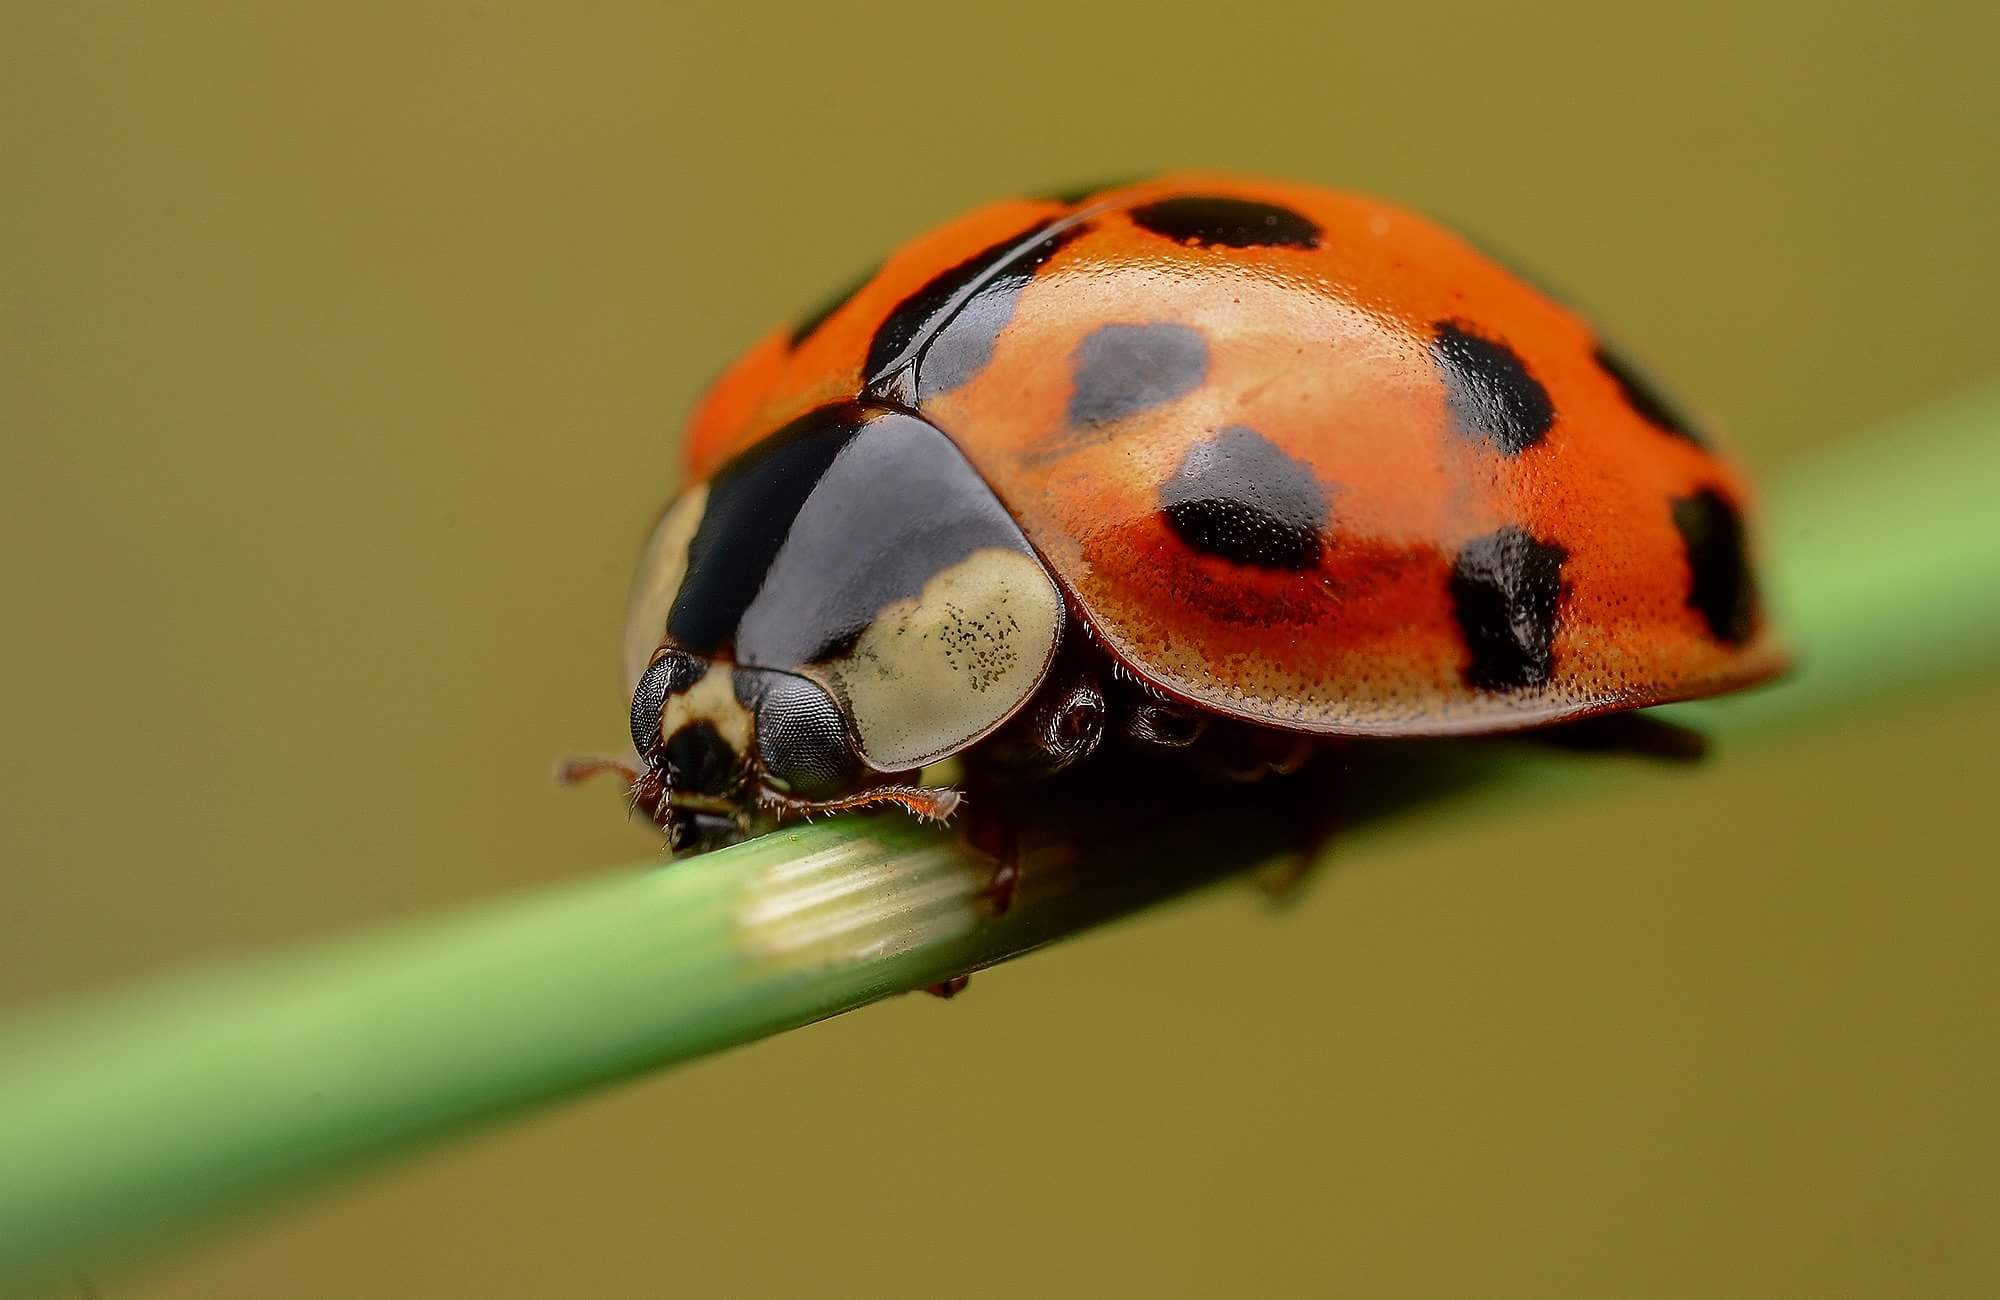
(726, 748)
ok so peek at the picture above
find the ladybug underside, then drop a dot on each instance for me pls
(1210, 448)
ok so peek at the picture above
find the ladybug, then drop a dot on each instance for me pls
(1207, 464)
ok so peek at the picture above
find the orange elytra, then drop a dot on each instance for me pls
(1200, 454)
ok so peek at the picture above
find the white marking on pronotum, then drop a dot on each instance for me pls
(662, 565)
(938, 670)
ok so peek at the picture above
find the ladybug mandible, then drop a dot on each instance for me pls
(1203, 463)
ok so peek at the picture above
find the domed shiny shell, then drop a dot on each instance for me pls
(1301, 457)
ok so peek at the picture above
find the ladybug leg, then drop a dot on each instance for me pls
(990, 829)
(1642, 735)
(1285, 881)
(1239, 753)
(1320, 820)
(1164, 726)
(950, 988)
(1060, 727)
(923, 802)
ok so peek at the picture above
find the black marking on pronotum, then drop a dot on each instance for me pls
(809, 326)
(1218, 222)
(1505, 589)
(897, 505)
(1489, 389)
(1645, 400)
(1721, 587)
(1123, 369)
(752, 502)
(1238, 495)
(948, 327)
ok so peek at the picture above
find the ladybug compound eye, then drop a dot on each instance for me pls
(1071, 724)
(803, 740)
(1061, 727)
(1165, 726)
(670, 674)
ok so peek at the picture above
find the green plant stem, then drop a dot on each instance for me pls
(131, 1119)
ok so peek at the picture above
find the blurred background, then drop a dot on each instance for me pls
(342, 357)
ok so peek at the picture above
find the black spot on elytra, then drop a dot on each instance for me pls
(1645, 400)
(965, 341)
(809, 326)
(954, 319)
(1240, 496)
(1123, 369)
(1505, 587)
(1489, 389)
(1219, 222)
(1721, 587)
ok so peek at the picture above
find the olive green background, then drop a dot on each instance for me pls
(341, 357)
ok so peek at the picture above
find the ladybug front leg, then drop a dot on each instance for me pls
(1159, 725)
(927, 803)
(1061, 727)
(990, 829)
